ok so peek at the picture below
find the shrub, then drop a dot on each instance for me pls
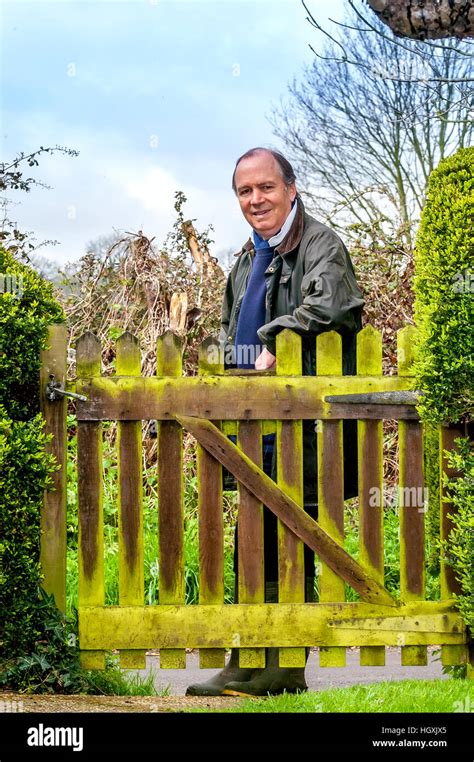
(25, 470)
(444, 286)
(27, 306)
(444, 291)
(24, 318)
(459, 546)
(38, 646)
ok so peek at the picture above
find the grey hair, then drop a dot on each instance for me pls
(284, 165)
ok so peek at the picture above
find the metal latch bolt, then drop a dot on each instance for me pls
(54, 391)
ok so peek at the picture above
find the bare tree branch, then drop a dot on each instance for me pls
(368, 121)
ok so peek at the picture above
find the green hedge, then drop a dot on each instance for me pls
(24, 319)
(25, 470)
(27, 306)
(459, 548)
(444, 313)
(444, 291)
(38, 646)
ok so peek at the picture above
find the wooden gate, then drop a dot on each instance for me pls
(211, 406)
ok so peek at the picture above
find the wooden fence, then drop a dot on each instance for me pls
(212, 405)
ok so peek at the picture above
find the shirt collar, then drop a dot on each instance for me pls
(278, 237)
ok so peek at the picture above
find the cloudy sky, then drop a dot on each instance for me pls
(156, 95)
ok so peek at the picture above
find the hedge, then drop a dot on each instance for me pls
(444, 291)
(444, 314)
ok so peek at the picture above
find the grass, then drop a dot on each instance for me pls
(403, 696)
(117, 682)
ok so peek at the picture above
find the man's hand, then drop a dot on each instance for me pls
(265, 360)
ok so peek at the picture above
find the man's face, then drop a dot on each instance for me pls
(264, 198)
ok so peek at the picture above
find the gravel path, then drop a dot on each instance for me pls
(176, 681)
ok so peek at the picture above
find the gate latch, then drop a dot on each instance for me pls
(54, 391)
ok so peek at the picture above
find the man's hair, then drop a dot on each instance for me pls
(284, 165)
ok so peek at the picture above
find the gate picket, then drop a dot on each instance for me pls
(130, 499)
(251, 584)
(412, 526)
(211, 519)
(289, 443)
(330, 487)
(170, 498)
(90, 498)
(370, 459)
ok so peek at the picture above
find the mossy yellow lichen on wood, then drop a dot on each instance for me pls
(330, 487)
(130, 499)
(411, 499)
(289, 443)
(53, 513)
(370, 459)
(228, 398)
(90, 497)
(169, 351)
(210, 506)
(289, 625)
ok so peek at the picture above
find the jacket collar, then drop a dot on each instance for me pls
(291, 240)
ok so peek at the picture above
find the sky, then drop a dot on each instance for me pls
(156, 95)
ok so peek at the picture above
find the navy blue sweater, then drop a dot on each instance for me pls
(252, 310)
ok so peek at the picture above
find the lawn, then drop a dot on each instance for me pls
(403, 696)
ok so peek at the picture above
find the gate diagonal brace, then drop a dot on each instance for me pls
(286, 509)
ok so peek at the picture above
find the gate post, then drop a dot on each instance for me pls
(53, 512)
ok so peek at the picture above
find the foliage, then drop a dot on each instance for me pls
(25, 467)
(26, 309)
(38, 647)
(384, 269)
(444, 291)
(53, 666)
(136, 286)
(146, 289)
(459, 546)
(25, 470)
(431, 470)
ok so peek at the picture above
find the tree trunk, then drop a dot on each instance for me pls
(426, 19)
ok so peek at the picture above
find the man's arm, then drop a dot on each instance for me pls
(330, 294)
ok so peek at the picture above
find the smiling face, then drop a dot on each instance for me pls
(264, 197)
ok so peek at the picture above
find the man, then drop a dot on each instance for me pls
(293, 273)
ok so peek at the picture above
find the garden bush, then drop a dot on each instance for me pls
(38, 645)
(444, 290)
(444, 314)
(27, 306)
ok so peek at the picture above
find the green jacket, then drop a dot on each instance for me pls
(311, 288)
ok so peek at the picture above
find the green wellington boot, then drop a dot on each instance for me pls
(269, 681)
(274, 679)
(215, 686)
